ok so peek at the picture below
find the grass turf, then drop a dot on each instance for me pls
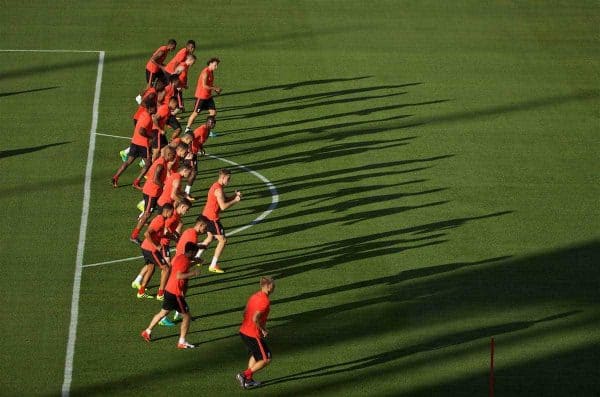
(437, 172)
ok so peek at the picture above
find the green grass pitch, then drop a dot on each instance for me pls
(437, 171)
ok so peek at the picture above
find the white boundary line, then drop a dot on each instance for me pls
(93, 51)
(68, 375)
(272, 206)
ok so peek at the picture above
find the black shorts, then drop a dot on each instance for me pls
(152, 77)
(173, 122)
(193, 162)
(136, 151)
(215, 228)
(155, 258)
(256, 346)
(204, 104)
(159, 138)
(149, 203)
(166, 251)
(174, 302)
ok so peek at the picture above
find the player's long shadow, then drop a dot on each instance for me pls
(337, 253)
(324, 131)
(3, 94)
(401, 277)
(336, 116)
(319, 96)
(17, 152)
(438, 343)
(291, 86)
(329, 152)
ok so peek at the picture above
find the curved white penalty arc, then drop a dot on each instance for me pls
(272, 190)
(261, 217)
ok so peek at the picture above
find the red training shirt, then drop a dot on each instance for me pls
(144, 121)
(200, 136)
(188, 236)
(156, 229)
(258, 302)
(211, 208)
(180, 264)
(201, 91)
(165, 196)
(151, 188)
(150, 66)
(170, 226)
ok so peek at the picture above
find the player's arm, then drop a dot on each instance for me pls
(256, 321)
(145, 133)
(214, 88)
(157, 172)
(156, 56)
(175, 189)
(226, 202)
(149, 230)
(192, 273)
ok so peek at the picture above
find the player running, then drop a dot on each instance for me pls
(153, 189)
(155, 66)
(175, 295)
(140, 143)
(152, 252)
(216, 202)
(253, 333)
(204, 92)
(200, 136)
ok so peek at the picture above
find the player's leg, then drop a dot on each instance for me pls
(209, 238)
(164, 276)
(260, 357)
(148, 257)
(137, 283)
(192, 176)
(147, 164)
(214, 265)
(197, 109)
(185, 323)
(150, 204)
(131, 156)
(157, 317)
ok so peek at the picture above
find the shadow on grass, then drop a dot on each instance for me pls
(342, 252)
(18, 152)
(298, 84)
(434, 344)
(482, 293)
(3, 94)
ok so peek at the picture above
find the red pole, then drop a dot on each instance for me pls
(492, 367)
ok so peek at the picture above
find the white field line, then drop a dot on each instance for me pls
(263, 215)
(68, 375)
(94, 51)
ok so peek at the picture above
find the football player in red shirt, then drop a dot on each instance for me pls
(217, 201)
(204, 92)
(254, 331)
(155, 66)
(175, 295)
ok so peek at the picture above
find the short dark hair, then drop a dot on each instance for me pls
(224, 171)
(149, 103)
(202, 219)
(192, 42)
(214, 59)
(185, 201)
(214, 120)
(168, 207)
(182, 145)
(172, 41)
